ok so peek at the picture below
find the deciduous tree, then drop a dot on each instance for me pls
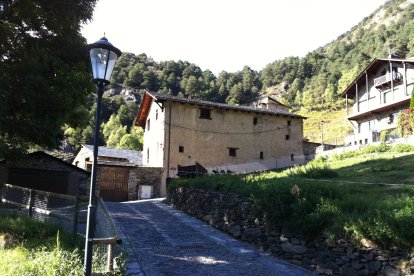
(44, 71)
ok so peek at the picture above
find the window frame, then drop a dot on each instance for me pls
(205, 113)
(232, 151)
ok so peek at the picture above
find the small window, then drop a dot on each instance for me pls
(156, 114)
(254, 121)
(205, 113)
(289, 123)
(366, 141)
(292, 157)
(147, 155)
(233, 152)
(77, 163)
(359, 128)
(261, 155)
(287, 137)
(180, 148)
(148, 124)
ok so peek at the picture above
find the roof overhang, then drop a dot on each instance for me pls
(349, 90)
(144, 109)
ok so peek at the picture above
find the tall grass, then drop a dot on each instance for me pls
(317, 168)
(383, 214)
(31, 247)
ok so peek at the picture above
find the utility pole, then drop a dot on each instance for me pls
(322, 144)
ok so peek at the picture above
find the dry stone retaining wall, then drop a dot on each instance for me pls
(240, 218)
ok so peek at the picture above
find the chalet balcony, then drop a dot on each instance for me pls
(384, 82)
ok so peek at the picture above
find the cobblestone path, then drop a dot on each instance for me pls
(159, 240)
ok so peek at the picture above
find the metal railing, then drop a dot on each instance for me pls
(69, 212)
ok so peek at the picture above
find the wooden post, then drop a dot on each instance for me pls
(392, 81)
(357, 96)
(31, 202)
(346, 104)
(405, 80)
(110, 260)
(76, 216)
(366, 84)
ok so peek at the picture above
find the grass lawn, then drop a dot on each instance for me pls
(387, 167)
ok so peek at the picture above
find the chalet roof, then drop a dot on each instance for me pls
(350, 89)
(159, 98)
(133, 157)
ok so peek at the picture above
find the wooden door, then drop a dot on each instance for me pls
(114, 183)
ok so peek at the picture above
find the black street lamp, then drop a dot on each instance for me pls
(103, 57)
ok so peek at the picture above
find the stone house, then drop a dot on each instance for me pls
(379, 93)
(270, 102)
(120, 176)
(216, 138)
(41, 171)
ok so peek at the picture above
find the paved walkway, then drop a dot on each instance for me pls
(159, 240)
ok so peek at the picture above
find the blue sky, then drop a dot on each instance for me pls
(224, 34)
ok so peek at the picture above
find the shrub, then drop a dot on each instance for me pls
(405, 123)
(412, 99)
(402, 148)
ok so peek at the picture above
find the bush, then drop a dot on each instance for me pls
(402, 148)
(405, 122)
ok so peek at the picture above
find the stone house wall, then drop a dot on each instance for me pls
(144, 176)
(240, 218)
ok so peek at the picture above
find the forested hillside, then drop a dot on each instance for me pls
(307, 84)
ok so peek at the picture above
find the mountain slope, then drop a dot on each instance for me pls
(309, 84)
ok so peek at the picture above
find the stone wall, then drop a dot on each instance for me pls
(144, 176)
(241, 219)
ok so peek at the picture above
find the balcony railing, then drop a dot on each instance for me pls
(386, 79)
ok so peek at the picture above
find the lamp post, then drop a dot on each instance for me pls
(103, 57)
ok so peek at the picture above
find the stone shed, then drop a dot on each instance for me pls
(120, 175)
(42, 171)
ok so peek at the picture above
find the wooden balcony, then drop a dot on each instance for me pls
(384, 82)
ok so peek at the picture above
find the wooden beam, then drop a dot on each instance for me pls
(367, 88)
(357, 96)
(346, 104)
(405, 80)
(392, 81)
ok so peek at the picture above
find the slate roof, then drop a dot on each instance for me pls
(159, 98)
(134, 157)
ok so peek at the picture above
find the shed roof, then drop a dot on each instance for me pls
(131, 156)
(160, 98)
